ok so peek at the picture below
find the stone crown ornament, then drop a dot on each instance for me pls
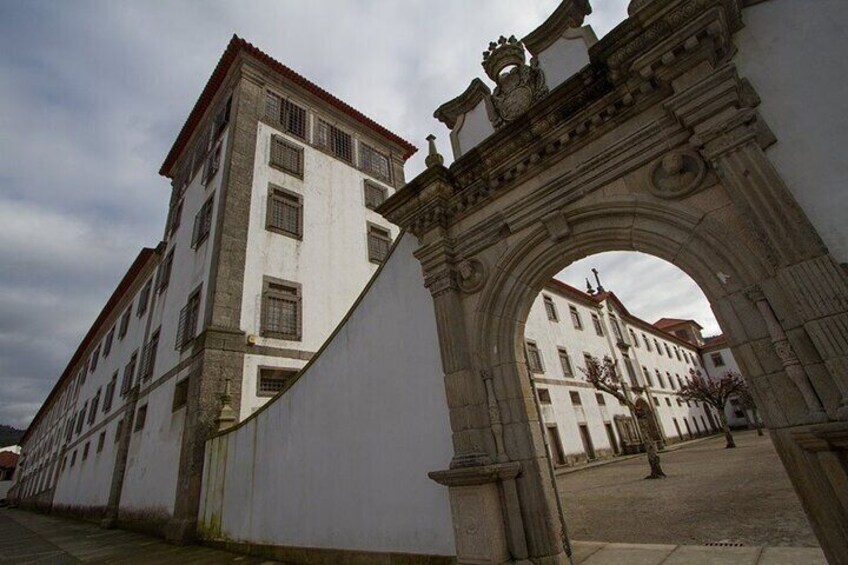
(517, 89)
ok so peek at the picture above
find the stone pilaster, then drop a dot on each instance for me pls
(110, 517)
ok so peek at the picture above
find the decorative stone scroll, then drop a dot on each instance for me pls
(677, 174)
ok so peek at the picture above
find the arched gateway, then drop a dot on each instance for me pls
(656, 146)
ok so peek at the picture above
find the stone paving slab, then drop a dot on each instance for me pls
(600, 553)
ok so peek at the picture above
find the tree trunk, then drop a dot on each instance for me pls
(653, 459)
(727, 435)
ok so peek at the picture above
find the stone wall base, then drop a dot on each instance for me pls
(321, 556)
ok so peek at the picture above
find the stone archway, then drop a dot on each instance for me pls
(668, 162)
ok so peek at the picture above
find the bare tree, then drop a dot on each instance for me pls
(604, 377)
(746, 402)
(715, 393)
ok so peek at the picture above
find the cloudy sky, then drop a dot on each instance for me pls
(92, 94)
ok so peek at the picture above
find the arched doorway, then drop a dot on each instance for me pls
(668, 162)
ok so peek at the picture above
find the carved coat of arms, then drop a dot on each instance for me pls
(517, 88)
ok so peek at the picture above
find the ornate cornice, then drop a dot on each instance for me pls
(569, 14)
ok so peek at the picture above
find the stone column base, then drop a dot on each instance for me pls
(181, 531)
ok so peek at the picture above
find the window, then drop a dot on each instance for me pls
(95, 403)
(144, 298)
(631, 372)
(281, 309)
(176, 216)
(575, 317)
(94, 358)
(656, 401)
(600, 398)
(670, 380)
(544, 396)
(550, 308)
(646, 342)
(565, 361)
(659, 378)
(633, 339)
(647, 376)
(677, 354)
(148, 356)
(129, 372)
(187, 326)
(657, 345)
(110, 393)
(679, 403)
(200, 149)
(374, 195)
(667, 350)
(140, 418)
(555, 445)
(125, 323)
(272, 380)
(202, 224)
(286, 156)
(107, 343)
(73, 457)
(213, 163)
(180, 395)
(285, 212)
(717, 359)
(165, 271)
(222, 118)
(118, 430)
(534, 358)
(100, 441)
(575, 398)
(81, 417)
(334, 140)
(596, 321)
(286, 113)
(379, 242)
(668, 401)
(374, 163)
(616, 330)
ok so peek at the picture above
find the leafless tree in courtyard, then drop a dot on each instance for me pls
(604, 377)
(715, 393)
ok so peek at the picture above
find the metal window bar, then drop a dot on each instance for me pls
(379, 242)
(285, 213)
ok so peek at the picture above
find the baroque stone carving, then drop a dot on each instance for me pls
(471, 275)
(677, 174)
(517, 89)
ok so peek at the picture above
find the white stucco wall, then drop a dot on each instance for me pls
(789, 51)
(567, 55)
(341, 459)
(716, 372)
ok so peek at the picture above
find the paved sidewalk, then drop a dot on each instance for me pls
(31, 538)
(599, 553)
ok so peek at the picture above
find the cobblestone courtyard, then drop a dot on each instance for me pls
(711, 494)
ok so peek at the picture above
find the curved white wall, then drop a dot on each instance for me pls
(340, 460)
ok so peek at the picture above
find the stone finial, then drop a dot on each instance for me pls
(227, 416)
(589, 288)
(433, 159)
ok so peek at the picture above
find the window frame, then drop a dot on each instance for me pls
(550, 308)
(334, 135)
(576, 321)
(537, 365)
(365, 148)
(180, 397)
(565, 363)
(189, 320)
(279, 145)
(292, 373)
(140, 418)
(286, 198)
(203, 223)
(596, 323)
(295, 297)
(385, 237)
(369, 184)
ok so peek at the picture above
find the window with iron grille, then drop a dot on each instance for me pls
(379, 242)
(374, 163)
(202, 224)
(129, 373)
(140, 418)
(165, 271)
(281, 309)
(144, 298)
(272, 380)
(596, 321)
(287, 114)
(334, 140)
(222, 118)
(213, 163)
(286, 156)
(550, 308)
(95, 356)
(187, 325)
(110, 393)
(544, 396)
(534, 358)
(374, 195)
(180, 395)
(107, 343)
(285, 212)
(575, 317)
(199, 155)
(565, 361)
(575, 398)
(148, 356)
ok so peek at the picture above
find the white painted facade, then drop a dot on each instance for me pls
(340, 460)
(718, 360)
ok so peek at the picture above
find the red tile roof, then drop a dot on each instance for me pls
(238, 45)
(8, 459)
(664, 323)
(132, 273)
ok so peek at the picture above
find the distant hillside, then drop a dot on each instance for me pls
(9, 435)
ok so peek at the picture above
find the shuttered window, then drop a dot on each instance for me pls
(187, 326)
(379, 242)
(202, 224)
(144, 298)
(180, 395)
(165, 271)
(125, 323)
(287, 114)
(281, 309)
(374, 162)
(534, 358)
(286, 156)
(550, 308)
(334, 140)
(213, 163)
(129, 373)
(148, 357)
(285, 212)
(374, 195)
(565, 361)
(110, 393)
(107, 343)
